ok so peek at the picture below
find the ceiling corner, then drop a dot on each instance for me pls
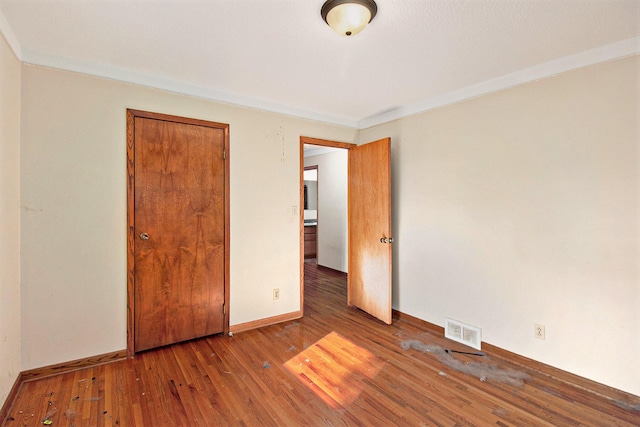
(10, 37)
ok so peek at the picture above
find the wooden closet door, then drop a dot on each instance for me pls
(179, 231)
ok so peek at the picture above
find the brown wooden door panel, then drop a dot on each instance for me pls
(179, 201)
(370, 259)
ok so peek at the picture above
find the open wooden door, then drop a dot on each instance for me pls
(370, 254)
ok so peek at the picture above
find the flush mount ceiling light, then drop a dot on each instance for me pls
(348, 17)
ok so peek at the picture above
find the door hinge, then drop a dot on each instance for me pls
(224, 154)
(224, 309)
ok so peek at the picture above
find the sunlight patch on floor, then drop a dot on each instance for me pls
(335, 369)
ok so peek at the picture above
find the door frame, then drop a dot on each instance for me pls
(131, 116)
(324, 143)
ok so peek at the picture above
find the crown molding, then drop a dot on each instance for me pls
(156, 82)
(9, 36)
(618, 50)
(621, 49)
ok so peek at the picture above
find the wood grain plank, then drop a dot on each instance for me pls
(337, 366)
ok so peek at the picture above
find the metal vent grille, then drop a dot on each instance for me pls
(463, 333)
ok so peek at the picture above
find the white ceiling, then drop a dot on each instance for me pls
(280, 56)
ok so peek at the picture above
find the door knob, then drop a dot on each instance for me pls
(144, 236)
(383, 240)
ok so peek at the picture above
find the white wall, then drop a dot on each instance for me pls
(332, 208)
(523, 207)
(74, 221)
(9, 219)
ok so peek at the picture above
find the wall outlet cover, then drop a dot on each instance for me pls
(538, 331)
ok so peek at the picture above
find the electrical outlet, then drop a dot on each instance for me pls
(539, 331)
(276, 293)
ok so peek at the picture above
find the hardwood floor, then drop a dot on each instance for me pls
(335, 367)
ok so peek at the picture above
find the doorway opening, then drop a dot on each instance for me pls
(367, 237)
(323, 194)
(310, 210)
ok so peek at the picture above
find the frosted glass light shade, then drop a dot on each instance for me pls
(348, 17)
